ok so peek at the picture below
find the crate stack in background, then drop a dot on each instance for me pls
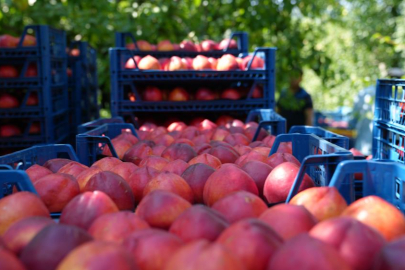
(246, 89)
(33, 87)
(82, 84)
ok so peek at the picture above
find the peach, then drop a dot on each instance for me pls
(288, 220)
(280, 180)
(262, 150)
(187, 45)
(242, 149)
(116, 227)
(251, 131)
(152, 248)
(220, 134)
(128, 136)
(203, 255)
(73, 169)
(177, 166)
(152, 93)
(48, 248)
(258, 171)
(164, 139)
(206, 125)
(165, 45)
(223, 120)
(227, 43)
(36, 172)
(315, 255)
(227, 179)
(160, 208)
(149, 62)
(224, 154)
(227, 62)
(322, 202)
(120, 147)
(252, 155)
(98, 255)
(189, 132)
(257, 62)
(155, 162)
(18, 206)
(106, 163)
(185, 141)
(232, 94)
(278, 158)
(201, 63)
(115, 187)
(137, 152)
(208, 159)
(252, 241)
(85, 176)
(240, 205)
(158, 150)
(139, 179)
(23, 231)
(196, 176)
(208, 45)
(201, 139)
(179, 151)
(285, 147)
(176, 126)
(56, 190)
(199, 222)
(8, 261)
(345, 234)
(235, 139)
(55, 164)
(86, 207)
(378, 214)
(203, 148)
(391, 256)
(132, 62)
(124, 169)
(269, 140)
(175, 63)
(170, 182)
(179, 94)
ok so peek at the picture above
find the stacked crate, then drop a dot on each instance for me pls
(127, 83)
(82, 83)
(40, 86)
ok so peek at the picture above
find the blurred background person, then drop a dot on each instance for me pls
(294, 103)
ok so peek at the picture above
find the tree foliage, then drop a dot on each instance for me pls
(343, 46)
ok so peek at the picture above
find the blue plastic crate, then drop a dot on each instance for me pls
(318, 158)
(329, 136)
(50, 86)
(268, 119)
(14, 178)
(388, 142)
(90, 145)
(83, 84)
(99, 122)
(381, 178)
(390, 103)
(23, 159)
(124, 81)
(242, 40)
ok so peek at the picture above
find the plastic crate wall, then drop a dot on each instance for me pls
(123, 80)
(83, 84)
(318, 158)
(390, 103)
(388, 142)
(381, 178)
(242, 40)
(50, 86)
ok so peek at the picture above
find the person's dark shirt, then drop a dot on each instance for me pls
(292, 106)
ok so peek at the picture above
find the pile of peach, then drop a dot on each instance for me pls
(200, 195)
(185, 45)
(200, 62)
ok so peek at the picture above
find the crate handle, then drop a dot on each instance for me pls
(267, 123)
(254, 55)
(19, 178)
